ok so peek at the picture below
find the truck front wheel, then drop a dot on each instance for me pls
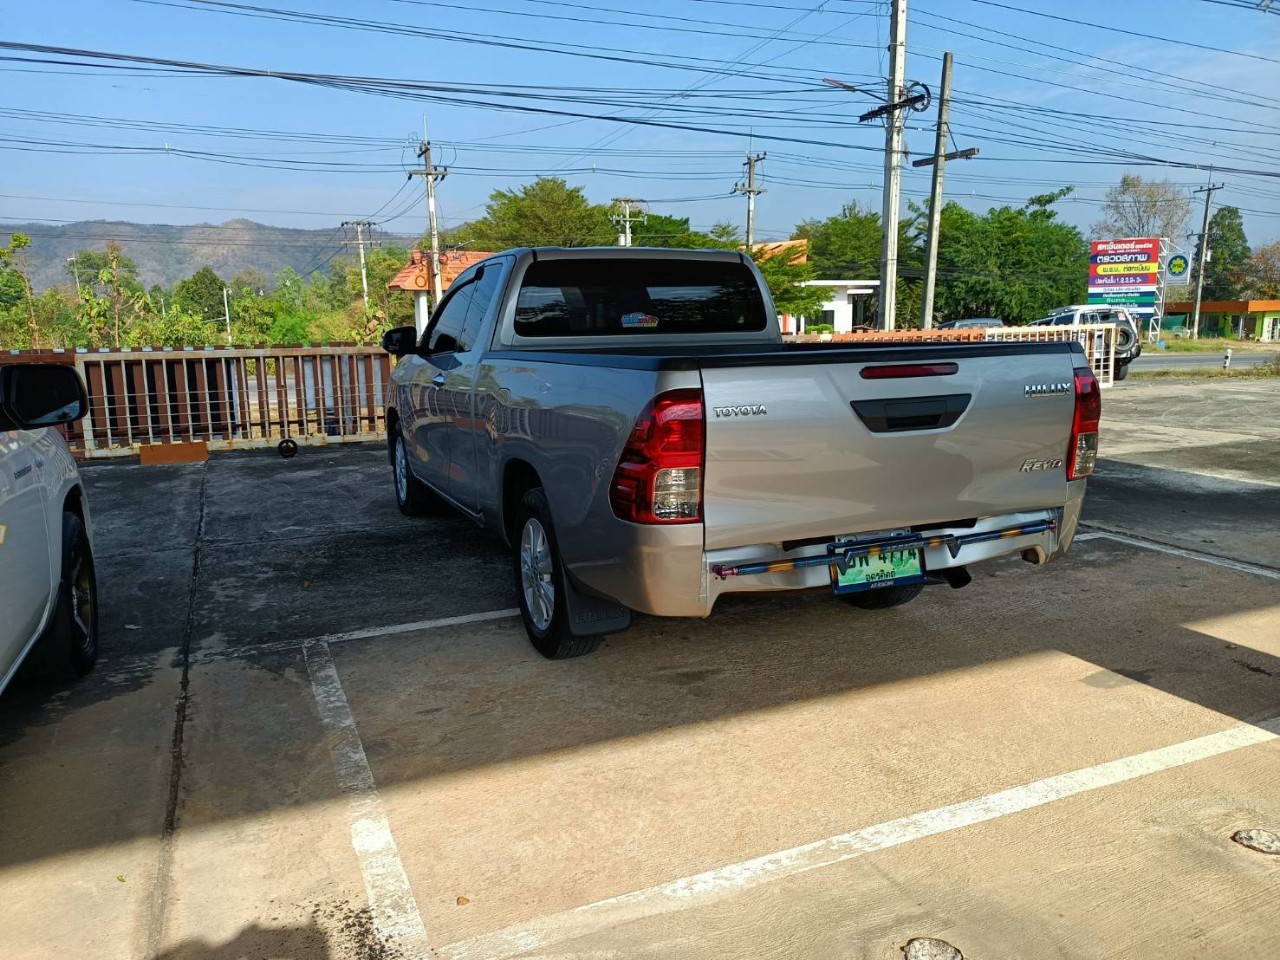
(540, 584)
(413, 497)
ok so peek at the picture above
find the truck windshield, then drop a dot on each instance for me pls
(598, 297)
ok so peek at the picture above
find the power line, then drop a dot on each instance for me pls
(1217, 90)
(1111, 28)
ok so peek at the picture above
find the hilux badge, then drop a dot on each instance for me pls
(1046, 389)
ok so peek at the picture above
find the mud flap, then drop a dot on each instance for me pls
(591, 616)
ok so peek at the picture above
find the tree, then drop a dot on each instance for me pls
(118, 279)
(847, 247)
(13, 260)
(660, 230)
(545, 212)
(249, 282)
(784, 273)
(200, 294)
(1143, 208)
(87, 265)
(844, 247)
(1012, 263)
(1262, 276)
(1224, 274)
(13, 287)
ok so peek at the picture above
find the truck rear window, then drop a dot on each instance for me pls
(597, 297)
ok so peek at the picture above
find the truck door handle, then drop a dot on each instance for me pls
(438, 379)
(911, 413)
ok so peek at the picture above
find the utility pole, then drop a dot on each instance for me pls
(752, 191)
(939, 162)
(226, 314)
(623, 219)
(1208, 191)
(75, 269)
(360, 226)
(893, 125)
(433, 175)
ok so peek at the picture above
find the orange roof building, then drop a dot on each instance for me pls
(1253, 319)
(416, 275)
(796, 250)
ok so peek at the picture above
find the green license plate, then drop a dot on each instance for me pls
(851, 574)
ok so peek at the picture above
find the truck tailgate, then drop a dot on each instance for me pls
(807, 447)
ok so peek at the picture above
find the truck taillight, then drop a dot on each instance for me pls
(659, 475)
(1082, 453)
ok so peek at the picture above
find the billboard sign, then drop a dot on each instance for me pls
(1126, 273)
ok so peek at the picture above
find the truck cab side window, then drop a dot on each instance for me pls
(447, 326)
(483, 291)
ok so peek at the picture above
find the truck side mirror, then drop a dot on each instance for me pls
(36, 395)
(400, 341)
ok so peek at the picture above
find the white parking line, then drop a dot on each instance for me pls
(419, 625)
(1185, 554)
(703, 888)
(395, 912)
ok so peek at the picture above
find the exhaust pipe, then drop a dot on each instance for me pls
(956, 577)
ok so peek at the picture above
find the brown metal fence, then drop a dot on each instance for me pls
(228, 397)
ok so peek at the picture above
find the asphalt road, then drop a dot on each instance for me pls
(1163, 360)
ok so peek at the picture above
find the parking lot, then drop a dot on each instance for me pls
(317, 730)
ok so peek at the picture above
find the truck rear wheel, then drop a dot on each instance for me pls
(540, 583)
(884, 597)
(1121, 371)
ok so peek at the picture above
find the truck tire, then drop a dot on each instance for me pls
(1120, 372)
(1125, 338)
(413, 497)
(884, 597)
(68, 648)
(540, 583)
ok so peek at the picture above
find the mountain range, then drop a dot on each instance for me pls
(168, 253)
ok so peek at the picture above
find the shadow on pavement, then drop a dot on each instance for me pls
(316, 546)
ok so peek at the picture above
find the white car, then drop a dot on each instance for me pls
(48, 594)
(1128, 332)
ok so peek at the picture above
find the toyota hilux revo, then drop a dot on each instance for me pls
(630, 421)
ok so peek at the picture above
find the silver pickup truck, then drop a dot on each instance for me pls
(631, 423)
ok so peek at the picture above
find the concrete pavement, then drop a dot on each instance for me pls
(1048, 763)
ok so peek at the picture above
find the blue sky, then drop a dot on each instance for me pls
(1071, 92)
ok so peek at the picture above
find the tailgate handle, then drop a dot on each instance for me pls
(902, 414)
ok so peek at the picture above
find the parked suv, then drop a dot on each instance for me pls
(972, 323)
(1128, 341)
(48, 594)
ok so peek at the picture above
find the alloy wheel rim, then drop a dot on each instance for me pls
(82, 603)
(535, 574)
(402, 471)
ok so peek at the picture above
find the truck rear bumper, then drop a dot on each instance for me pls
(666, 572)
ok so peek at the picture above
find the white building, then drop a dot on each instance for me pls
(846, 307)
